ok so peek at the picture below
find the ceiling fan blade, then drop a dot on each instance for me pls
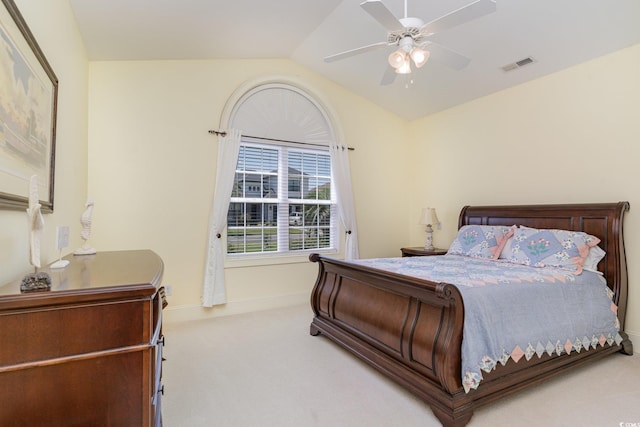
(388, 77)
(457, 17)
(380, 13)
(353, 52)
(446, 56)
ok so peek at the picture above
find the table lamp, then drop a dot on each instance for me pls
(429, 218)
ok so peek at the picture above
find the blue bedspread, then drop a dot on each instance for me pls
(514, 311)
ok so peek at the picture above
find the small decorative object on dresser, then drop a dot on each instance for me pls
(36, 281)
(429, 218)
(85, 220)
(420, 251)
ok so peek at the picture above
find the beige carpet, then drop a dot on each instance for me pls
(264, 369)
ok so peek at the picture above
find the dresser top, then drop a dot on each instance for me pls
(104, 275)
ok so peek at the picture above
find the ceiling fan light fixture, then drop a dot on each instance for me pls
(405, 68)
(419, 56)
(398, 58)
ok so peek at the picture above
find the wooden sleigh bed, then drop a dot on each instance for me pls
(411, 329)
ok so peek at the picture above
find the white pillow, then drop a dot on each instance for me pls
(596, 253)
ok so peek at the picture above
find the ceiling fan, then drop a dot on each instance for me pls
(411, 35)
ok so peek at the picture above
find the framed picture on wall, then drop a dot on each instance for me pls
(28, 104)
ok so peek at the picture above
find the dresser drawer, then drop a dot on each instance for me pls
(101, 391)
(44, 333)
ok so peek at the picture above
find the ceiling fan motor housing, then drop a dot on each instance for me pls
(411, 30)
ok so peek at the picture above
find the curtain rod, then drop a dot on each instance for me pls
(224, 133)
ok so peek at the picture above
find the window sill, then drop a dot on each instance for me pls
(240, 261)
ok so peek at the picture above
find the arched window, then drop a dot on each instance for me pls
(288, 178)
(283, 199)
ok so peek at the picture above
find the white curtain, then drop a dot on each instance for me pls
(346, 206)
(214, 292)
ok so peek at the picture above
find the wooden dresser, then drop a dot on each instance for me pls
(89, 351)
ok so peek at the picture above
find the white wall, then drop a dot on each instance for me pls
(53, 26)
(570, 137)
(152, 171)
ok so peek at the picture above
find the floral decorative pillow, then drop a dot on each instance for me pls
(481, 241)
(551, 248)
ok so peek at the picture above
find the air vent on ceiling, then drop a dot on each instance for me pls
(518, 64)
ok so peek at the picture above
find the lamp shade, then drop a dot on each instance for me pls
(429, 217)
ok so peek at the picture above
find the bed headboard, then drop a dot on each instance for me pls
(603, 220)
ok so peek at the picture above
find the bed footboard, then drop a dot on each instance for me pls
(409, 329)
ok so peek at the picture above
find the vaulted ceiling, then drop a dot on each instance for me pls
(556, 33)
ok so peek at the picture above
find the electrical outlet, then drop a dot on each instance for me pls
(62, 236)
(168, 290)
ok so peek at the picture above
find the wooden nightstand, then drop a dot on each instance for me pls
(420, 251)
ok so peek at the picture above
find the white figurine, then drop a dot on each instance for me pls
(38, 280)
(85, 220)
(36, 222)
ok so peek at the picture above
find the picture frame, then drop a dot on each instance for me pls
(28, 113)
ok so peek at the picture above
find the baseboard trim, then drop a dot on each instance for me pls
(184, 313)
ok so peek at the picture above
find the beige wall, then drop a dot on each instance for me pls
(150, 162)
(152, 172)
(53, 26)
(570, 137)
